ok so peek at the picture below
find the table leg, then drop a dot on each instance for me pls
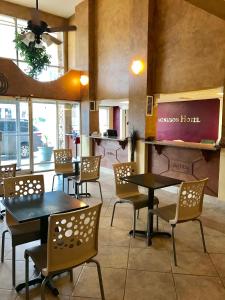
(150, 233)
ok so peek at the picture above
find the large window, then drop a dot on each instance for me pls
(8, 28)
(31, 128)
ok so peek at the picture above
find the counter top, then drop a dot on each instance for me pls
(190, 145)
(108, 138)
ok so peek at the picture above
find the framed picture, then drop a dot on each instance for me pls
(92, 106)
(149, 106)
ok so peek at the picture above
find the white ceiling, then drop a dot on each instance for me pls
(62, 8)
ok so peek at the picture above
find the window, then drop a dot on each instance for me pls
(8, 28)
(103, 119)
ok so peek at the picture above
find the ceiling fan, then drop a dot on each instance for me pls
(37, 31)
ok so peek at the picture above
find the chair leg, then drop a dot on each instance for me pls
(138, 211)
(71, 275)
(174, 247)
(68, 185)
(13, 265)
(27, 274)
(63, 178)
(202, 233)
(78, 191)
(100, 278)
(43, 284)
(3, 245)
(86, 188)
(53, 181)
(114, 207)
(157, 220)
(134, 222)
(100, 189)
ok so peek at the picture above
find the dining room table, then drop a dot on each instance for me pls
(40, 207)
(152, 182)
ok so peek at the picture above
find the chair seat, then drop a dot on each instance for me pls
(24, 233)
(138, 200)
(78, 179)
(39, 256)
(167, 213)
(64, 173)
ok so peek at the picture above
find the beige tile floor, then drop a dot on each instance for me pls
(131, 270)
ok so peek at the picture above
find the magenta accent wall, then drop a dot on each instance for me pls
(116, 119)
(189, 121)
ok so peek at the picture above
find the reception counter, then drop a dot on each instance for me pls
(112, 149)
(186, 161)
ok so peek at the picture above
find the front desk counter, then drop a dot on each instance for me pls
(112, 149)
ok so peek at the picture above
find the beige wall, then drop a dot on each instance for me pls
(72, 45)
(187, 46)
(66, 87)
(190, 47)
(78, 40)
(113, 48)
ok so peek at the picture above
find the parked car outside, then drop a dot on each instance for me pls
(11, 135)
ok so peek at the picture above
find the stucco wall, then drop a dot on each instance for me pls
(190, 47)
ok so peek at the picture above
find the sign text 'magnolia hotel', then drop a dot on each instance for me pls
(189, 121)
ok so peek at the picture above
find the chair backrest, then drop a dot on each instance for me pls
(22, 186)
(124, 188)
(190, 201)
(6, 171)
(63, 160)
(90, 168)
(72, 238)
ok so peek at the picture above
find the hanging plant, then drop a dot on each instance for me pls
(133, 143)
(36, 58)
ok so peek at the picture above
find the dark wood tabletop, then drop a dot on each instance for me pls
(33, 207)
(152, 181)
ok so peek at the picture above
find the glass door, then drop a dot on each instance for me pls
(14, 132)
(44, 126)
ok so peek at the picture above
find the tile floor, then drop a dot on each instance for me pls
(131, 270)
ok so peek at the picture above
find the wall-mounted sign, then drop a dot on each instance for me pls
(92, 105)
(189, 121)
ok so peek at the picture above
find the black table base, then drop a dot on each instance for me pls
(38, 280)
(153, 234)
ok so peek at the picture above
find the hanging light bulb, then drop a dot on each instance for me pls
(84, 80)
(137, 67)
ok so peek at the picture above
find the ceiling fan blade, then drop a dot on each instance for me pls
(62, 28)
(27, 38)
(49, 39)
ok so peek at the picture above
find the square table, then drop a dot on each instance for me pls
(152, 182)
(40, 207)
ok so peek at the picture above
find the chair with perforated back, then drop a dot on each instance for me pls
(6, 171)
(72, 241)
(128, 192)
(188, 208)
(63, 164)
(21, 233)
(89, 172)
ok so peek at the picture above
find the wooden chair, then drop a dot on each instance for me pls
(21, 232)
(128, 192)
(6, 171)
(63, 164)
(89, 172)
(72, 241)
(188, 208)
